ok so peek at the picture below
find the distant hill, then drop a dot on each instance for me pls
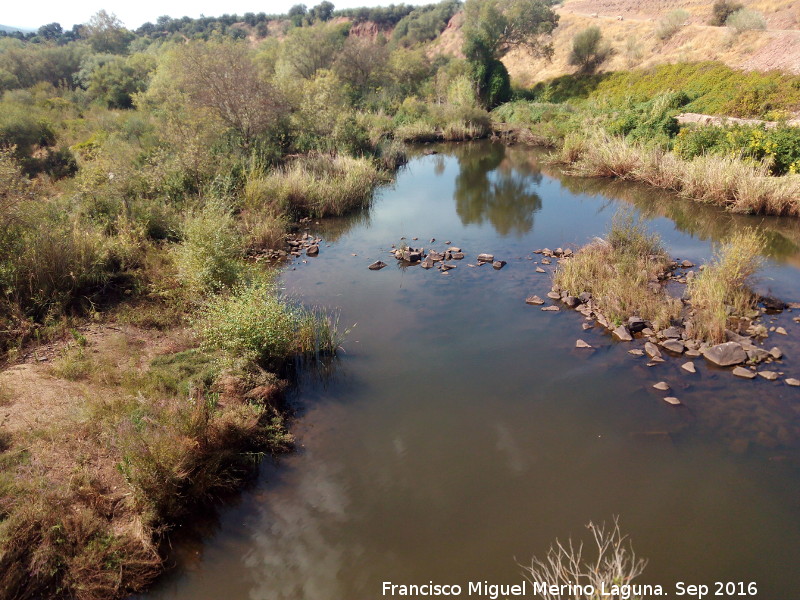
(10, 29)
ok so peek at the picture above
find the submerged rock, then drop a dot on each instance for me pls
(581, 344)
(534, 300)
(661, 386)
(550, 308)
(377, 265)
(725, 355)
(540, 270)
(769, 375)
(672, 400)
(792, 381)
(636, 352)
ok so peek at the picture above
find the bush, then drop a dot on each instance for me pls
(588, 50)
(721, 10)
(255, 323)
(208, 256)
(745, 19)
(671, 23)
(723, 289)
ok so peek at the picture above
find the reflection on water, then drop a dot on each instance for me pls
(462, 428)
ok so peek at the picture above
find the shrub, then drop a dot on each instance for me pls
(671, 23)
(589, 50)
(721, 10)
(255, 323)
(617, 270)
(745, 19)
(723, 289)
(208, 256)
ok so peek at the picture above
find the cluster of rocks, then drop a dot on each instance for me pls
(439, 259)
(296, 245)
(737, 351)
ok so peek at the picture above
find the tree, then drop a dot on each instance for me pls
(297, 14)
(51, 31)
(223, 77)
(589, 50)
(309, 49)
(106, 33)
(492, 28)
(361, 64)
(321, 12)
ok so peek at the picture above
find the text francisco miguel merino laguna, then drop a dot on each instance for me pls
(483, 589)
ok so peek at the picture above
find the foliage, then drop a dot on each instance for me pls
(207, 257)
(425, 23)
(723, 289)
(255, 323)
(779, 146)
(745, 19)
(721, 10)
(106, 33)
(589, 50)
(671, 23)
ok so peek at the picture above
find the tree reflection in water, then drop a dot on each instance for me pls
(497, 186)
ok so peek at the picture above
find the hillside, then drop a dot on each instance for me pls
(635, 43)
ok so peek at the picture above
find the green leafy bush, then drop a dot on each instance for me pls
(745, 19)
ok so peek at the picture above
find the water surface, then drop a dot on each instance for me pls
(461, 432)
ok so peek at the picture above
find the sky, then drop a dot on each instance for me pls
(133, 13)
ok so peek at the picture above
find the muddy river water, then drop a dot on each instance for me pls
(460, 431)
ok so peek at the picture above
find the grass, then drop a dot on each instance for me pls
(723, 289)
(317, 185)
(742, 187)
(617, 270)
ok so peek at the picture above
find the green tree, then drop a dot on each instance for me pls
(51, 31)
(492, 28)
(310, 49)
(106, 33)
(589, 50)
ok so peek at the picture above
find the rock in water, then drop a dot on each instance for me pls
(742, 372)
(312, 250)
(622, 334)
(776, 353)
(792, 381)
(377, 265)
(689, 366)
(636, 352)
(652, 350)
(540, 270)
(550, 308)
(725, 355)
(486, 257)
(581, 344)
(662, 386)
(428, 263)
(673, 345)
(672, 400)
(769, 375)
(534, 300)
(499, 264)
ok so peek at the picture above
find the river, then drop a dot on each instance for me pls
(460, 431)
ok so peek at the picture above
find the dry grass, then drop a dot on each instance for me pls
(738, 185)
(617, 271)
(723, 289)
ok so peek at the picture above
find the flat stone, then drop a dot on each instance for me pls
(622, 334)
(687, 264)
(377, 265)
(571, 301)
(661, 386)
(652, 350)
(550, 308)
(312, 250)
(499, 264)
(534, 300)
(769, 375)
(776, 353)
(727, 354)
(435, 256)
(586, 326)
(671, 332)
(781, 331)
(446, 267)
(672, 400)
(540, 270)
(742, 372)
(792, 381)
(428, 263)
(581, 344)
(656, 360)
(553, 295)
(454, 249)
(546, 261)
(486, 257)
(693, 353)
(672, 345)
(689, 367)
(636, 352)
(457, 255)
